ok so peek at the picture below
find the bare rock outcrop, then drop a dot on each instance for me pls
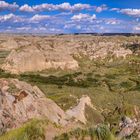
(9, 44)
(78, 112)
(40, 53)
(33, 59)
(129, 127)
(20, 102)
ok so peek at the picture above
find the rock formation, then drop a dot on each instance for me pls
(37, 54)
(78, 112)
(20, 102)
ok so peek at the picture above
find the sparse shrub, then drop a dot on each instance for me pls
(33, 130)
(92, 134)
(64, 136)
(12, 88)
(102, 132)
(133, 47)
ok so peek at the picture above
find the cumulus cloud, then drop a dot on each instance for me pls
(128, 11)
(75, 7)
(114, 9)
(26, 8)
(112, 21)
(79, 6)
(43, 7)
(137, 28)
(131, 12)
(83, 17)
(6, 6)
(70, 18)
(77, 23)
(37, 18)
(101, 8)
(10, 18)
(100, 25)
(64, 7)
(51, 7)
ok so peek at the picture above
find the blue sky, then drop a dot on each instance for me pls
(71, 16)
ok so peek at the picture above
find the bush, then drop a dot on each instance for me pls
(102, 132)
(33, 130)
(64, 136)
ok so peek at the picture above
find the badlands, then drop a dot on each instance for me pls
(62, 87)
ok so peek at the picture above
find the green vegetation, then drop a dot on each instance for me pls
(33, 130)
(94, 116)
(12, 88)
(73, 80)
(133, 47)
(3, 55)
(101, 132)
(113, 84)
(107, 82)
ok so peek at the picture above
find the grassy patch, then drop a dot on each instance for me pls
(107, 83)
(12, 88)
(33, 130)
(3, 55)
(101, 132)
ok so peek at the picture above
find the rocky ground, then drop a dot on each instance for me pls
(39, 53)
(75, 86)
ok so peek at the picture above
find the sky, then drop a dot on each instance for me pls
(71, 16)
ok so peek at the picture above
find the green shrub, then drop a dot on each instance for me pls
(64, 136)
(33, 130)
(102, 132)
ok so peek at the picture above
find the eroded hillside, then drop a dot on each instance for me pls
(39, 53)
(77, 87)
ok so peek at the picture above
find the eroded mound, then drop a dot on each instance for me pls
(20, 102)
(40, 53)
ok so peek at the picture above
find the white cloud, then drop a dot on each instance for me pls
(112, 21)
(26, 8)
(128, 11)
(37, 18)
(69, 26)
(51, 7)
(64, 7)
(101, 8)
(23, 28)
(44, 7)
(137, 28)
(6, 6)
(65, 22)
(114, 9)
(79, 7)
(10, 17)
(83, 17)
(131, 12)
